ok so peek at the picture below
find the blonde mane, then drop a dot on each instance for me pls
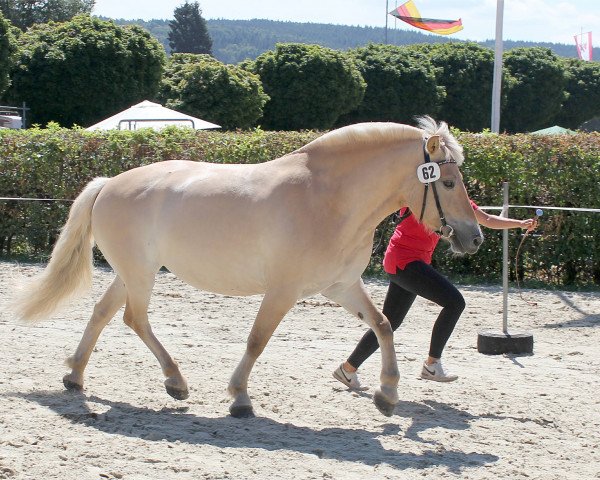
(381, 133)
(452, 149)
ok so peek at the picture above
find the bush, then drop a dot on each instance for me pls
(535, 89)
(309, 86)
(8, 50)
(583, 87)
(465, 70)
(541, 170)
(203, 87)
(84, 70)
(401, 84)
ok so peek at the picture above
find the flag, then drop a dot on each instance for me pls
(584, 46)
(408, 13)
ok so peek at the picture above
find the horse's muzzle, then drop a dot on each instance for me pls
(467, 243)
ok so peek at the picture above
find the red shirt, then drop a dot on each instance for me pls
(411, 241)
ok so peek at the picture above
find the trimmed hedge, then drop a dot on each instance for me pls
(541, 170)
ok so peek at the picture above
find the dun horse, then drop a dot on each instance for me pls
(288, 228)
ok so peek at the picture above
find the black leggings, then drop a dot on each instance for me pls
(421, 279)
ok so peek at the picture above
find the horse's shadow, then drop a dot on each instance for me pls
(432, 414)
(345, 444)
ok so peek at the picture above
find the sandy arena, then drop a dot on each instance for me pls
(507, 417)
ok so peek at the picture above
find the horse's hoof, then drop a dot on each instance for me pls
(72, 386)
(177, 394)
(241, 411)
(383, 405)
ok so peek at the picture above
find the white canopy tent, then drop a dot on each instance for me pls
(150, 115)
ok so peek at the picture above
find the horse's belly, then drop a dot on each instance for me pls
(217, 275)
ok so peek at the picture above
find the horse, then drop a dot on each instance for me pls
(287, 228)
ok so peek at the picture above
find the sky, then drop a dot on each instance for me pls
(533, 20)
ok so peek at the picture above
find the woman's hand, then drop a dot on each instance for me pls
(529, 224)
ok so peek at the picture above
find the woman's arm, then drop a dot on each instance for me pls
(501, 223)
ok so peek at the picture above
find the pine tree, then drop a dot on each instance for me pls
(188, 30)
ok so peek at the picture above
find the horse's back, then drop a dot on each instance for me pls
(223, 228)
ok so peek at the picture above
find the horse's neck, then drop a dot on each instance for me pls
(368, 183)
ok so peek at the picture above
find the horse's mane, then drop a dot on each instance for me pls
(450, 145)
(387, 132)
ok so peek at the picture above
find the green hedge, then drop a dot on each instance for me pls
(541, 170)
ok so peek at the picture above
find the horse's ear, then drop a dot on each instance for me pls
(433, 144)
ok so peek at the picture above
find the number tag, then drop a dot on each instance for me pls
(428, 172)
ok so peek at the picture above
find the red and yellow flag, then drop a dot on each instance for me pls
(408, 13)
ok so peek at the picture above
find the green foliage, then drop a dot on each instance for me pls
(583, 88)
(535, 91)
(188, 32)
(25, 13)
(201, 86)
(401, 84)
(309, 86)
(8, 50)
(465, 70)
(81, 71)
(541, 170)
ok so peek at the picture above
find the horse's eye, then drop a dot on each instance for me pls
(449, 184)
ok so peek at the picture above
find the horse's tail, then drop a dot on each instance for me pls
(69, 271)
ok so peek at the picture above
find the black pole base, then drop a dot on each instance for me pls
(496, 342)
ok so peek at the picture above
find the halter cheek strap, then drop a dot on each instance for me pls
(446, 230)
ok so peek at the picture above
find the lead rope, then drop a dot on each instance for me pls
(538, 213)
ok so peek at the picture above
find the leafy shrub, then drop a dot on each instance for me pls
(541, 170)
(401, 84)
(223, 94)
(309, 86)
(84, 70)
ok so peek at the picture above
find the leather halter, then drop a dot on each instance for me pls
(446, 231)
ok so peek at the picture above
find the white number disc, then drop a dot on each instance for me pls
(428, 172)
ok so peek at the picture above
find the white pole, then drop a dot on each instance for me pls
(505, 260)
(497, 85)
(386, 20)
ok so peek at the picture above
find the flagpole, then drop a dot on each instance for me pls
(386, 20)
(497, 85)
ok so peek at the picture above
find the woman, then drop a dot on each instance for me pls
(408, 262)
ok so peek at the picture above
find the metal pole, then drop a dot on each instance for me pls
(497, 85)
(386, 20)
(505, 260)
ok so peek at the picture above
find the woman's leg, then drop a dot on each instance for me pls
(425, 281)
(417, 278)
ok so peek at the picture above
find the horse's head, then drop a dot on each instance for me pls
(443, 204)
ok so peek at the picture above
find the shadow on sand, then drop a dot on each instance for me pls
(345, 444)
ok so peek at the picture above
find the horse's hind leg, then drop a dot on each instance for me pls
(355, 299)
(136, 317)
(104, 310)
(272, 310)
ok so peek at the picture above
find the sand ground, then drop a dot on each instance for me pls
(507, 417)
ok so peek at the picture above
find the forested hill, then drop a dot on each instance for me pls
(237, 40)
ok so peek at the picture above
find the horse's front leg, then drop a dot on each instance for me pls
(273, 308)
(356, 300)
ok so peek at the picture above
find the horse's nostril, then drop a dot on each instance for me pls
(477, 241)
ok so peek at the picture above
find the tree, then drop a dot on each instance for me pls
(465, 70)
(309, 86)
(400, 85)
(84, 70)
(201, 86)
(25, 13)
(583, 87)
(535, 89)
(8, 50)
(188, 30)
